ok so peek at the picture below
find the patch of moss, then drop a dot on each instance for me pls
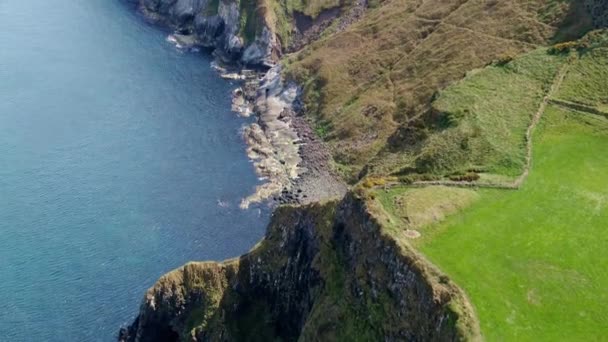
(251, 20)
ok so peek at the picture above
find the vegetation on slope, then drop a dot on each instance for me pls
(586, 81)
(531, 260)
(484, 128)
(368, 89)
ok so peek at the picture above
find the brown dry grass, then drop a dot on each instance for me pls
(371, 85)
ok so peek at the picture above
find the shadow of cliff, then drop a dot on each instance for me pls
(576, 23)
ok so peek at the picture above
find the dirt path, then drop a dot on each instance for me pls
(557, 83)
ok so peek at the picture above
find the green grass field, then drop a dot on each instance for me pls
(534, 262)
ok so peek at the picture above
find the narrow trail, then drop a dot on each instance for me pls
(518, 182)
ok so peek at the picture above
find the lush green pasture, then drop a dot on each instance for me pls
(535, 261)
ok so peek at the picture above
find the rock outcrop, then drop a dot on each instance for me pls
(218, 24)
(323, 272)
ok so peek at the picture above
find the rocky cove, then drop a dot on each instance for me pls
(326, 270)
(285, 150)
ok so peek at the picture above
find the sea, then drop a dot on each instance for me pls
(120, 160)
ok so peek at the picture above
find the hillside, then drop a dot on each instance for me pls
(368, 89)
(538, 250)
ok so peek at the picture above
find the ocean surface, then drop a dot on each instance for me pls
(119, 161)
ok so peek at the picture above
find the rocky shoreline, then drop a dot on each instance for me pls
(294, 164)
(285, 150)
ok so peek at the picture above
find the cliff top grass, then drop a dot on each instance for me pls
(417, 208)
(531, 260)
(586, 81)
(369, 88)
(486, 117)
(534, 261)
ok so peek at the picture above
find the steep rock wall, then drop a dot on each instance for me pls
(323, 272)
(238, 30)
(264, 295)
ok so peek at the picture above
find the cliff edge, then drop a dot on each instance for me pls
(323, 272)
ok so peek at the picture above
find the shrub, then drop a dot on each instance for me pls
(568, 46)
(416, 177)
(504, 59)
(406, 179)
(371, 182)
(467, 177)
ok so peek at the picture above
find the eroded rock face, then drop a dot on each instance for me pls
(264, 295)
(216, 27)
(319, 269)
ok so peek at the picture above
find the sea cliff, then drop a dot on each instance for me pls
(323, 272)
(239, 31)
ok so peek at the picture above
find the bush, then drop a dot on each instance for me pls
(467, 177)
(417, 177)
(567, 47)
(504, 59)
(371, 182)
(406, 180)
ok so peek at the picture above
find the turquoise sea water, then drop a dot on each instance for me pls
(115, 150)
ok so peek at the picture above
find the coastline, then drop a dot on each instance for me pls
(285, 151)
(282, 273)
(283, 147)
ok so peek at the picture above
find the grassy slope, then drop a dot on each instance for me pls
(534, 261)
(586, 83)
(369, 88)
(420, 207)
(486, 129)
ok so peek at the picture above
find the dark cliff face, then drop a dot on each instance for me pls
(264, 295)
(323, 272)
